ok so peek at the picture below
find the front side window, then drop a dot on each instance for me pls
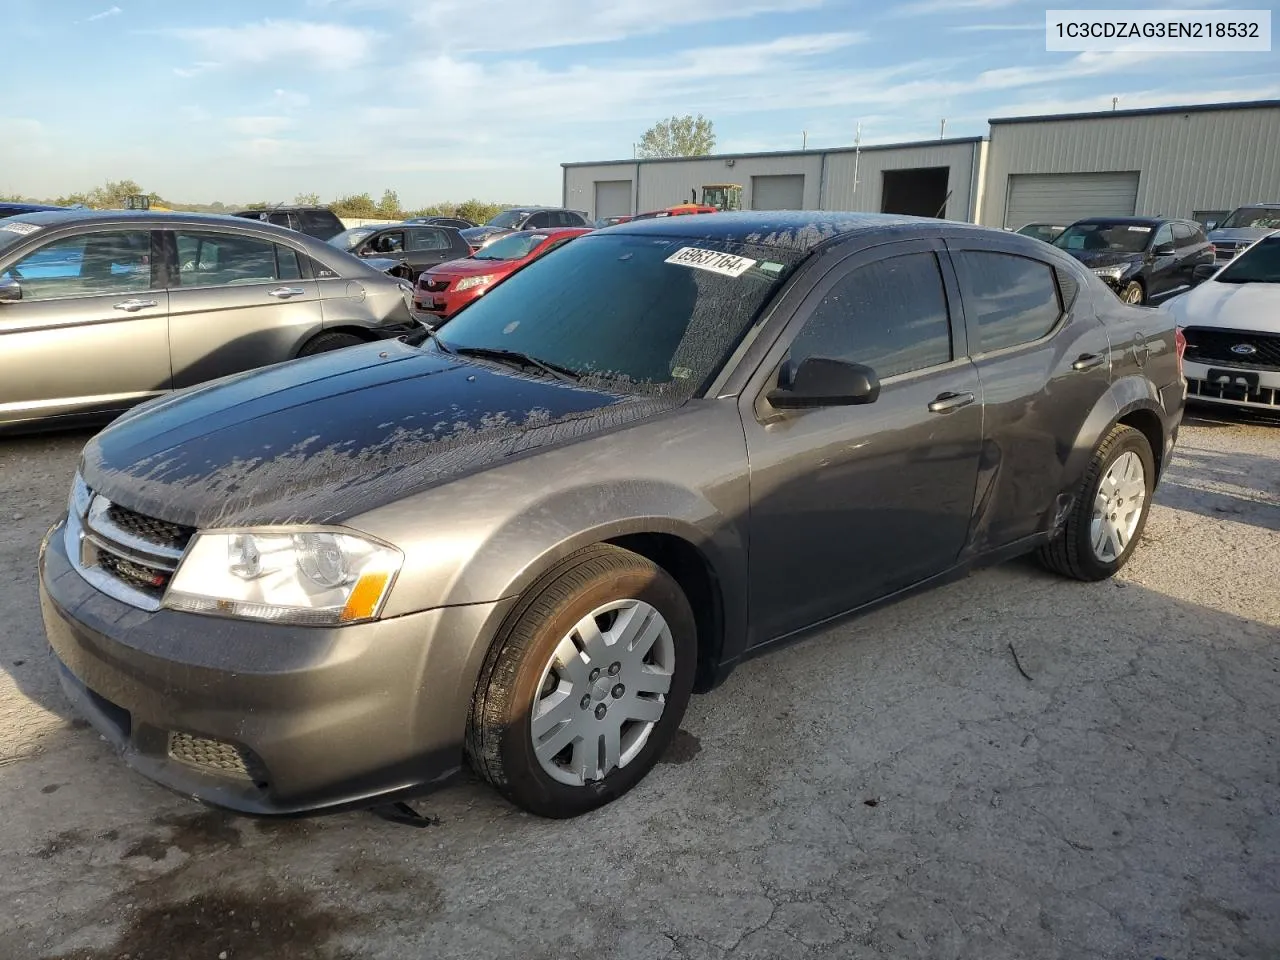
(1255, 218)
(350, 239)
(639, 314)
(88, 265)
(427, 240)
(388, 242)
(222, 259)
(1009, 299)
(1163, 236)
(890, 316)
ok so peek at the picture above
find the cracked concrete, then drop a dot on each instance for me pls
(893, 786)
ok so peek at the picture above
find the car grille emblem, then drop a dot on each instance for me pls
(1244, 349)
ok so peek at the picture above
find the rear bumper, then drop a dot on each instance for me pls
(1231, 385)
(264, 718)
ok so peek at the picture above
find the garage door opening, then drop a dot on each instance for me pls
(782, 192)
(921, 192)
(613, 198)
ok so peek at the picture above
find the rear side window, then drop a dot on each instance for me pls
(427, 239)
(223, 259)
(321, 222)
(1184, 236)
(890, 315)
(1009, 299)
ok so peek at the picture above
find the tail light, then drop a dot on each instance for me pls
(1180, 344)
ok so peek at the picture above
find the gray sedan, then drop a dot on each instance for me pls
(102, 310)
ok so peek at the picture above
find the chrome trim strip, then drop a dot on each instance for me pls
(98, 522)
(107, 546)
(73, 538)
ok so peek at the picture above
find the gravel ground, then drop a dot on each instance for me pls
(1012, 766)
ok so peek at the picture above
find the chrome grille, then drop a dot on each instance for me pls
(162, 533)
(216, 756)
(434, 286)
(1265, 397)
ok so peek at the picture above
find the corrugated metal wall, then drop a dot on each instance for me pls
(828, 186)
(961, 181)
(1188, 161)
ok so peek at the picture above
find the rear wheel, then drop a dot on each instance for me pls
(324, 342)
(1110, 511)
(587, 684)
(1133, 293)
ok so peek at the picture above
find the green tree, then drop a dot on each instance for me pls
(110, 195)
(307, 199)
(686, 136)
(478, 211)
(355, 205)
(12, 198)
(389, 206)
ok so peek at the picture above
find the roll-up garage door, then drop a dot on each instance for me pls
(783, 192)
(1066, 197)
(613, 198)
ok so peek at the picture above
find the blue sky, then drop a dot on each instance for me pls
(448, 99)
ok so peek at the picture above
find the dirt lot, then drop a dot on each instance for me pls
(897, 786)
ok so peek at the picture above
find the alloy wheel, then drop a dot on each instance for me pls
(602, 692)
(1118, 506)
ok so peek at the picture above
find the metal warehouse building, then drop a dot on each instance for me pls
(1196, 161)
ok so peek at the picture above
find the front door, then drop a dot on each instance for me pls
(89, 334)
(851, 503)
(1165, 276)
(236, 302)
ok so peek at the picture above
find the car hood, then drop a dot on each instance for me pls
(323, 439)
(483, 232)
(1104, 258)
(1240, 234)
(1233, 306)
(470, 267)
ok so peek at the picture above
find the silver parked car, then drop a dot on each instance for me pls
(102, 310)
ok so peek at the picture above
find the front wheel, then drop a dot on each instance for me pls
(1133, 293)
(1110, 510)
(586, 685)
(324, 342)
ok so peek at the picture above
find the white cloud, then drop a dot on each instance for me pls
(949, 6)
(109, 12)
(197, 68)
(323, 45)
(259, 126)
(290, 99)
(466, 26)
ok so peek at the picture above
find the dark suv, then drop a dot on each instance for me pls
(623, 470)
(319, 222)
(1143, 259)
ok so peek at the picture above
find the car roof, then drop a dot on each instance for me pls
(801, 230)
(286, 207)
(1136, 221)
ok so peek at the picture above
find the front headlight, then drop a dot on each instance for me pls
(1110, 273)
(466, 283)
(309, 576)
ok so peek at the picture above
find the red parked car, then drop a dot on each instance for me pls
(446, 289)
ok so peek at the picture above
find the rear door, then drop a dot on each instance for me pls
(1164, 275)
(426, 247)
(236, 301)
(850, 503)
(90, 333)
(1043, 358)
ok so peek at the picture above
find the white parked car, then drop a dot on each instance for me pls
(1231, 322)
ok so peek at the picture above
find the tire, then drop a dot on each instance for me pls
(521, 668)
(1073, 553)
(324, 342)
(1133, 293)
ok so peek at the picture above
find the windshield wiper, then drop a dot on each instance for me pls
(523, 359)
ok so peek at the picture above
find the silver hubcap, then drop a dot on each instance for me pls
(1118, 507)
(602, 692)
(1133, 294)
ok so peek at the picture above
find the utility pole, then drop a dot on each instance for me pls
(633, 151)
(804, 139)
(1114, 100)
(942, 131)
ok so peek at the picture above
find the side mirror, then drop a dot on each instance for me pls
(822, 382)
(10, 290)
(1163, 250)
(1210, 225)
(1203, 271)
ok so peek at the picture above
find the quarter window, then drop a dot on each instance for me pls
(1009, 299)
(222, 259)
(890, 315)
(92, 264)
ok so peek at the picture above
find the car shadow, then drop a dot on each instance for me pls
(1240, 487)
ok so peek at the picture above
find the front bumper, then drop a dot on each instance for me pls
(1235, 386)
(441, 306)
(265, 718)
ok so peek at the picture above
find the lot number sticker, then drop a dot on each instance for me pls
(726, 264)
(25, 229)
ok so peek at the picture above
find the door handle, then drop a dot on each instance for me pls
(133, 306)
(284, 293)
(946, 402)
(1087, 361)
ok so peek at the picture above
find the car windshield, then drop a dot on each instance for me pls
(1259, 264)
(507, 219)
(511, 248)
(350, 239)
(1100, 236)
(1041, 231)
(1257, 218)
(646, 314)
